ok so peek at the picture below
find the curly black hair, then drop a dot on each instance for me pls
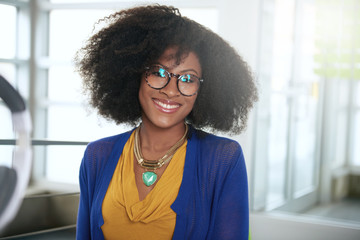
(113, 61)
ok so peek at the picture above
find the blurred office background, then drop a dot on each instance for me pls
(302, 143)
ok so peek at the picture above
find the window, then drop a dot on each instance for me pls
(48, 81)
(308, 113)
(355, 136)
(8, 43)
(12, 66)
(64, 96)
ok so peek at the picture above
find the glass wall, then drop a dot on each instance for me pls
(307, 119)
(58, 106)
(8, 66)
(307, 122)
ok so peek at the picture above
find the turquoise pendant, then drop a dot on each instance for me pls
(149, 178)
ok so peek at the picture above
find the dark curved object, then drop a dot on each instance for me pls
(8, 179)
(8, 176)
(10, 96)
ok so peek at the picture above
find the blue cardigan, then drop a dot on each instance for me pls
(213, 198)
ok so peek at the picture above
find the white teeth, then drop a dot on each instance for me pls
(168, 106)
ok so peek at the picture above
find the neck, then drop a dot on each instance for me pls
(156, 139)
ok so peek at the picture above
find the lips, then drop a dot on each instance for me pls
(166, 106)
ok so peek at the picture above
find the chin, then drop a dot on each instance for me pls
(167, 123)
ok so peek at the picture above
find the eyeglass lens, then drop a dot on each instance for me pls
(157, 77)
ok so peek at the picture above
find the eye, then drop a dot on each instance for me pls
(162, 72)
(158, 72)
(187, 78)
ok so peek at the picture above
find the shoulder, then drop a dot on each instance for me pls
(105, 144)
(97, 152)
(213, 144)
(217, 159)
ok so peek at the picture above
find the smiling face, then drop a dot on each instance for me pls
(166, 108)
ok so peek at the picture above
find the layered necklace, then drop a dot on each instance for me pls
(149, 177)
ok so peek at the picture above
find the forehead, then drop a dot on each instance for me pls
(187, 60)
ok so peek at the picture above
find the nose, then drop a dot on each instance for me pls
(171, 89)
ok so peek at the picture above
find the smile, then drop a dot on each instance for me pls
(166, 106)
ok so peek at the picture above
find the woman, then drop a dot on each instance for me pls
(166, 179)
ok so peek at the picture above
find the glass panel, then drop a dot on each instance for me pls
(305, 108)
(63, 162)
(6, 155)
(8, 31)
(341, 147)
(79, 24)
(282, 44)
(6, 132)
(73, 1)
(282, 51)
(71, 28)
(7, 70)
(6, 128)
(356, 141)
(277, 148)
(305, 53)
(337, 39)
(357, 95)
(305, 128)
(64, 85)
(74, 123)
(343, 93)
(99, 1)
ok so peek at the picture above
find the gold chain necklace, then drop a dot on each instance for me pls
(149, 177)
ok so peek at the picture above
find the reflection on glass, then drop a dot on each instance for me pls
(8, 29)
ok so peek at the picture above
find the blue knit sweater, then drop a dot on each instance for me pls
(213, 198)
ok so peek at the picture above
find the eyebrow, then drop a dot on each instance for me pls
(182, 71)
(189, 70)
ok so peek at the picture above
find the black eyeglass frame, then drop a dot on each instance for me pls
(178, 76)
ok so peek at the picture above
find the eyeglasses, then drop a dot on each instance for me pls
(157, 78)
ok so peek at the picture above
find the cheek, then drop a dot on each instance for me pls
(142, 90)
(192, 101)
(142, 98)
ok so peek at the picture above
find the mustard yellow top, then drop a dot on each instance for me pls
(125, 217)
